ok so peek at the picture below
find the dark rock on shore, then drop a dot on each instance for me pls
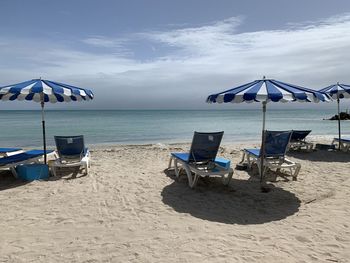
(343, 116)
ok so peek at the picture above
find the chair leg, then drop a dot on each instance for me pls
(258, 163)
(53, 170)
(346, 147)
(227, 179)
(243, 157)
(170, 161)
(14, 172)
(249, 163)
(192, 179)
(87, 168)
(262, 169)
(311, 147)
(296, 172)
(195, 180)
(176, 168)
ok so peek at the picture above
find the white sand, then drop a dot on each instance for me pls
(129, 210)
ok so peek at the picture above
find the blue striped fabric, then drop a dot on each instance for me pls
(7, 150)
(50, 91)
(267, 90)
(335, 90)
(20, 157)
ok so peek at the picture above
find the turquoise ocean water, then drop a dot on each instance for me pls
(23, 128)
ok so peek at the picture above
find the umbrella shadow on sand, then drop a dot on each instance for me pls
(322, 156)
(240, 203)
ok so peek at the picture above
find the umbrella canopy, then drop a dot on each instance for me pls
(40, 90)
(264, 91)
(338, 91)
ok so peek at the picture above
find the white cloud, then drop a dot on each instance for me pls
(194, 62)
(198, 40)
(100, 41)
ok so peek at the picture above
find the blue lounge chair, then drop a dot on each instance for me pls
(201, 161)
(344, 143)
(298, 142)
(10, 162)
(9, 151)
(276, 143)
(72, 152)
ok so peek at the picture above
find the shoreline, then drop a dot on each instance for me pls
(311, 138)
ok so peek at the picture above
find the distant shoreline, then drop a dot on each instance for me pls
(226, 143)
(233, 108)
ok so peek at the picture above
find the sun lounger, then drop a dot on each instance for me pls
(32, 156)
(344, 143)
(72, 152)
(276, 143)
(201, 161)
(9, 151)
(297, 141)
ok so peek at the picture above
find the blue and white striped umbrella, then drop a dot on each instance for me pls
(338, 91)
(44, 91)
(40, 90)
(264, 91)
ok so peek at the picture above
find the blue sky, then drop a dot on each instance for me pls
(171, 54)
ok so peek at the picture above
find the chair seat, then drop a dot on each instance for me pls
(276, 143)
(344, 143)
(201, 160)
(182, 156)
(222, 168)
(223, 163)
(10, 151)
(64, 163)
(21, 157)
(271, 162)
(255, 152)
(12, 161)
(301, 145)
(6, 150)
(342, 139)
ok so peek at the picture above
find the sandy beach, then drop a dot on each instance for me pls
(134, 81)
(131, 209)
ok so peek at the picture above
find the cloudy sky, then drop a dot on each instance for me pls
(170, 54)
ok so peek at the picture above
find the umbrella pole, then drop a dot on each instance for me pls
(43, 124)
(262, 150)
(339, 136)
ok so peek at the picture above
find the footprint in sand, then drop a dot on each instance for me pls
(302, 239)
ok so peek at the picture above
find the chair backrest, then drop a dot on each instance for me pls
(70, 147)
(276, 143)
(205, 146)
(299, 135)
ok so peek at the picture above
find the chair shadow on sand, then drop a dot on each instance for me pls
(8, 181)
(67, 173)
(322, 156)
(242, 202)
